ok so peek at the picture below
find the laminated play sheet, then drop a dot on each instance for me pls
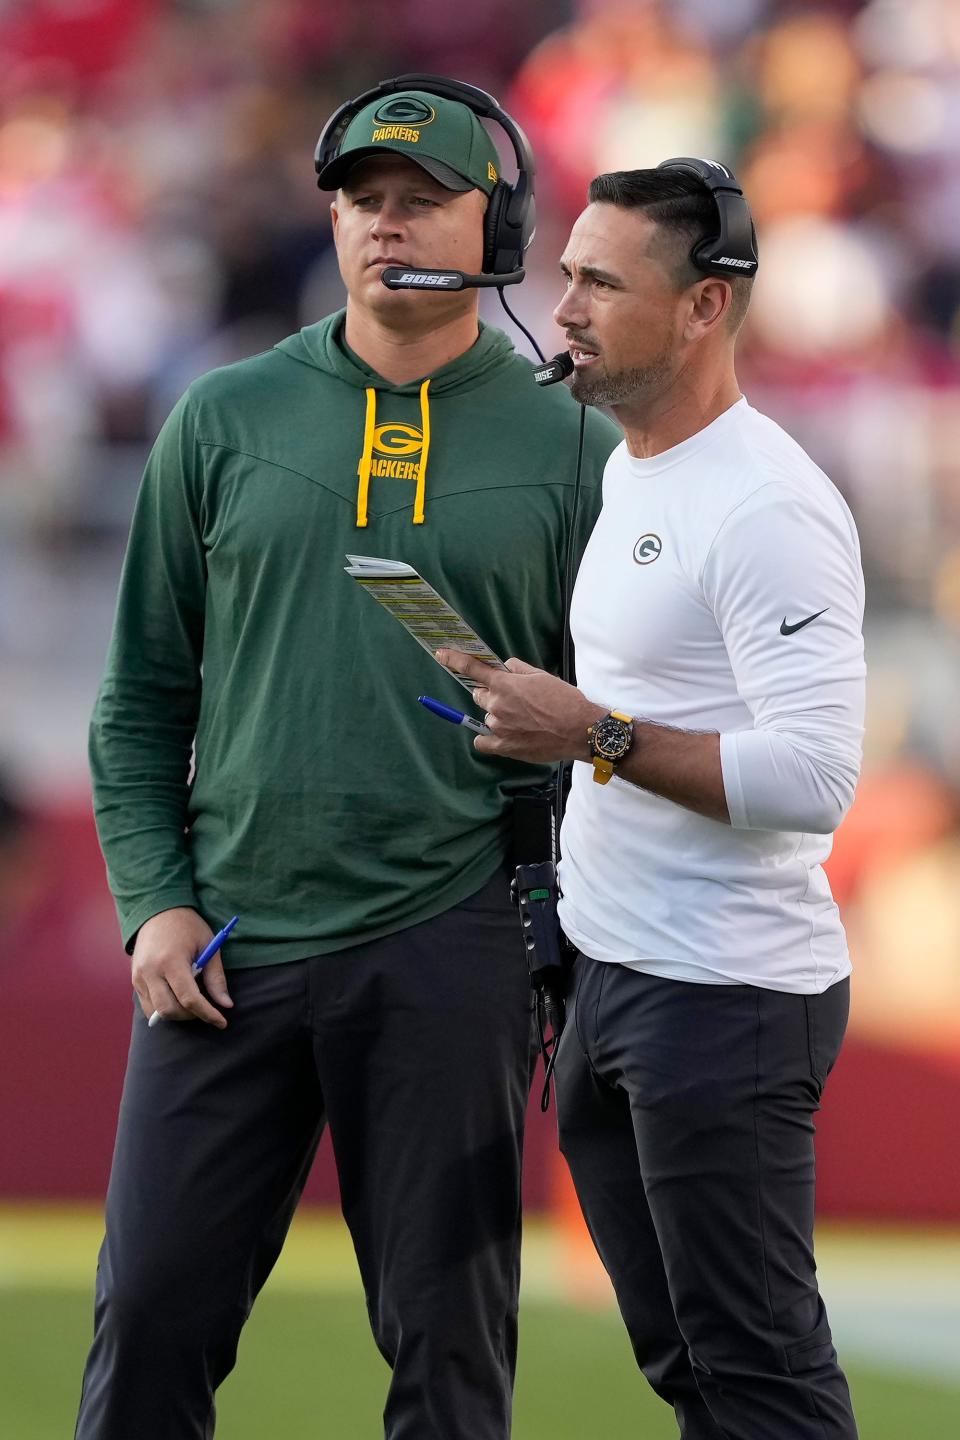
(421, 611)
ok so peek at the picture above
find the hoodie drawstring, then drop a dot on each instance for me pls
(422, 467)
(366, 458)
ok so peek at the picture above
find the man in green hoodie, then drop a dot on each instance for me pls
(257, 749)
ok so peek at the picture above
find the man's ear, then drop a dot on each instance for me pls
(709, 306)
(334, 218)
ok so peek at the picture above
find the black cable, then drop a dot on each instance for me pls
(567, 658)
(553, 1046)
(550, 1048)
(554, 1006)
(519, 323)
(566, 654)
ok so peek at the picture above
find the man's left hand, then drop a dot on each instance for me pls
(530, 715)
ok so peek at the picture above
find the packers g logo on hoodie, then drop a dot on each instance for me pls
(393, 443)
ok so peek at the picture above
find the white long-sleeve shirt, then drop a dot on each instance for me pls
(722, 591)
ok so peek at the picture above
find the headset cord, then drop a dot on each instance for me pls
(566, 651)
(519, 323)
(551, 1008)
(566, 655)
(552, 1004)
(548, 1048)
(568, 560)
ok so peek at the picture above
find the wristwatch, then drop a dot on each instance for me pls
(610, 738)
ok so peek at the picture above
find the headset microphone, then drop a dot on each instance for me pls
(556, 369)
(397, 277)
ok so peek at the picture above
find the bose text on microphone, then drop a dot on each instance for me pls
(556, 369)
(398, 277)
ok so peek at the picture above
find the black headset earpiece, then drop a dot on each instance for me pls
(510, 220)
(734, 250)
(508, 228)
(492, 222)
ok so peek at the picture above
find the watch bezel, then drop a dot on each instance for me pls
(610, 738)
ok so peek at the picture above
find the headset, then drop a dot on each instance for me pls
(734, 250)
(510, 219)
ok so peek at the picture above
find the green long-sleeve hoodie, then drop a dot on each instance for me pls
(325, 805)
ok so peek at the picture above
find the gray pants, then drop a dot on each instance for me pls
(416, 1051)
(686, 1116)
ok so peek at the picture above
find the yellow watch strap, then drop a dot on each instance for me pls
(602, 769)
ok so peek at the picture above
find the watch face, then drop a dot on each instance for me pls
(611, 738)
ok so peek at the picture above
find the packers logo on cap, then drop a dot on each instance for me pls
(445, 138)
(406, 110)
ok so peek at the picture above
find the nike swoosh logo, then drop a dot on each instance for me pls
(786, 629)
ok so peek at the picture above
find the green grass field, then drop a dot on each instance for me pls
(308, 1367)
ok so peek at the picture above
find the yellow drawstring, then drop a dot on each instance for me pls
(422, 467)
(366, 459)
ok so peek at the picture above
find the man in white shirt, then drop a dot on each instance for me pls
(716, 735)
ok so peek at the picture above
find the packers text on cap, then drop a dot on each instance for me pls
(442, 136)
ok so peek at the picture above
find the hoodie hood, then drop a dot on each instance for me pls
(324, 347)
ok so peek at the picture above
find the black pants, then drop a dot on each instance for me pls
(686, 1116)
(416, 1050)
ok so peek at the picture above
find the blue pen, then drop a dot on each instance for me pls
(456, 717)
(207, 953)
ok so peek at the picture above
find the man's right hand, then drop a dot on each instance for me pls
(166, 947)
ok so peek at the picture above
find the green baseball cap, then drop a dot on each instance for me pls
(444, 137)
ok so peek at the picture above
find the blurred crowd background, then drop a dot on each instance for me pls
(159, 216)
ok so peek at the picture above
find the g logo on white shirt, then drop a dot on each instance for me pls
(647, 549)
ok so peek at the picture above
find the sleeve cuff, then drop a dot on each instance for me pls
(732, 781)
(132, 919)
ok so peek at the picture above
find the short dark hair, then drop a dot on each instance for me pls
(680, 205)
